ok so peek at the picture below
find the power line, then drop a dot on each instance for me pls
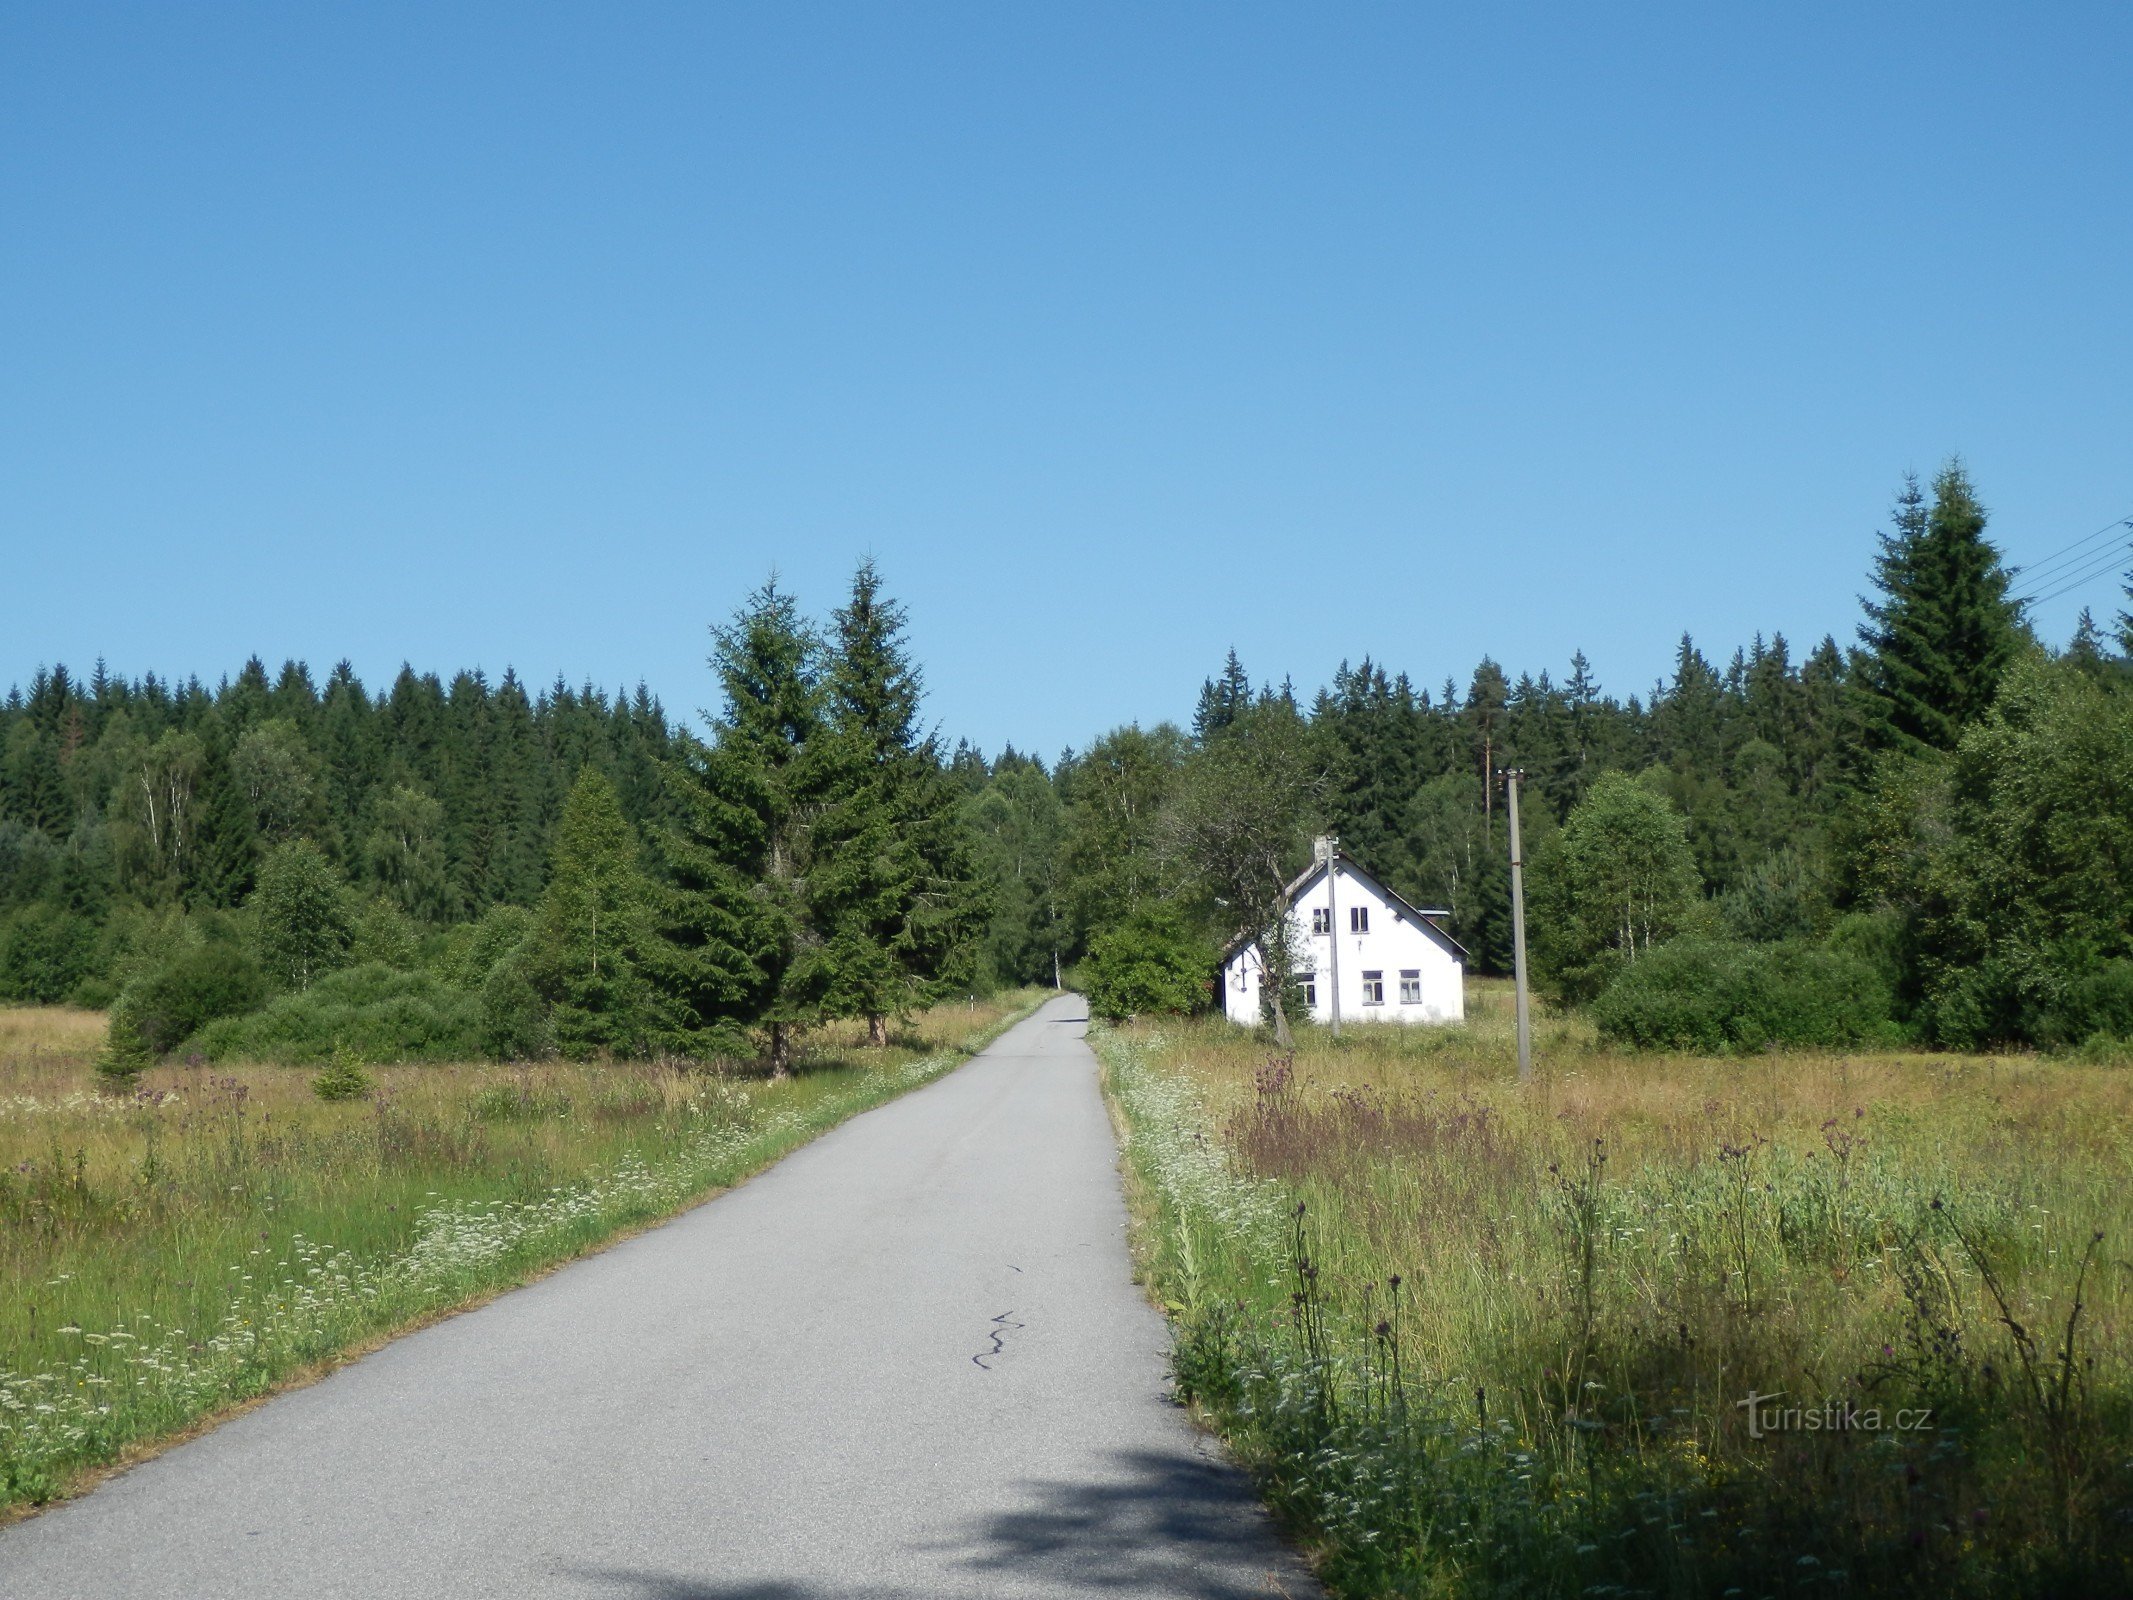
(2036, 575)
(2110, 564)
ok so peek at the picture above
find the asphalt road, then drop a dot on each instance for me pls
(908, 1361)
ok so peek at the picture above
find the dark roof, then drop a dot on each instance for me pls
(1311, 874)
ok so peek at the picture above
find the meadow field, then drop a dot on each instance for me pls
(1778, 1324)
(218, 1231)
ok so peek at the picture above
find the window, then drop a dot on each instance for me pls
(1373, 988)
(1321, 920)
(1359, 920)
(1309, 980)
(1411, 987)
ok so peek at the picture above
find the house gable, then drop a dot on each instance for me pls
(1391, 960)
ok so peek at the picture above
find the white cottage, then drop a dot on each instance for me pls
(1363, 954)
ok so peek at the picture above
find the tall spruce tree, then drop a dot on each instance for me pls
(1943, 632)
(594, 929)
(737, 948)
(896, 890)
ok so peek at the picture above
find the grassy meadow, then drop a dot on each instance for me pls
(1475, 1340)
(220, 1230)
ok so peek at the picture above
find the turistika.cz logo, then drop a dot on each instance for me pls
(1766, 1416)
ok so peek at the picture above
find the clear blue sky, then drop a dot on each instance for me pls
(538, 335)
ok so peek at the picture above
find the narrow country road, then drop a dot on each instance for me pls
(908, 1361)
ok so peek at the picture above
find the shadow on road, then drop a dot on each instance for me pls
(1158, 1525)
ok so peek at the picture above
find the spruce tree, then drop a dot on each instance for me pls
(594, 928)
(1222, 700)
(896, 888)
(1943, 631)
(735, 948)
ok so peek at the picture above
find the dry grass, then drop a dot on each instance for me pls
(1599, 1269)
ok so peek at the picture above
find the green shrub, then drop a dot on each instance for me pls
(1146, 965)
(343, 1079)
(124, 1056)
(2097, 1004)
(44, 953)
(515, 1023)
(376, 1011)
(384, 933)
(169, 1001)
(1712, 996)
(472, 950)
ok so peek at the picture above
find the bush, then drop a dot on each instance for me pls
(124, 1057)
(1147, 964)
(472, 950)
(44, 953)
(2096, 1005)
(515, 1023)
(343, 1079)
(1713, 996)
(169, 1001)
(377, 1012)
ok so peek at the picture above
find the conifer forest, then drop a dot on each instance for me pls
(1916, 833)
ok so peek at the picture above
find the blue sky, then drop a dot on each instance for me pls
(537, 336)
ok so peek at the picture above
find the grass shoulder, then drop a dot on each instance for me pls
(1673, 1324)
(219, 1233)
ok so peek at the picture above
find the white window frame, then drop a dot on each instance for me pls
(1410, 986)
(1309, 983)
(1374, 987)
(1321, 919)
(1359, 919)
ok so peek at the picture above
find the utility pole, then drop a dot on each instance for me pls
(1511, 779)
(1333, 932)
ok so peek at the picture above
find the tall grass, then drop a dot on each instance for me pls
(216, 1231)
(1477, 1340)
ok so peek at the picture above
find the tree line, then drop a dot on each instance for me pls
(271, 867)
(1926, 831)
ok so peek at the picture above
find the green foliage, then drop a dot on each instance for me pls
(2095, 1004)
(1116, 795)
(45, 953)
(1617, 881)
(1019, 825)
(304, 919)
(199, 980)
(383, 933)
(894, 892)
(593, 929)
(404, 850)
(1713, 996)
(2017, 867)
(1943, 632)
(1244, 810)
(1147, 965)
(125, 1055)
(379, 1014)
(733, 925)
(343, 1079)
(474, 949)
(515, 1021)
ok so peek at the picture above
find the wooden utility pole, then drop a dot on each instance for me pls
(1511, 779)
(1333, 933)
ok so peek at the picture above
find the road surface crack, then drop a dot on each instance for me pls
(1000, 1325)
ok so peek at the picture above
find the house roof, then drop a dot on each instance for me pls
(1317, 870)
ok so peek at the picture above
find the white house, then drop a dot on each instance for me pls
(1361, 952)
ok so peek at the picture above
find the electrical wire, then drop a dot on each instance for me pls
(2040, 574)
(2111, 564)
